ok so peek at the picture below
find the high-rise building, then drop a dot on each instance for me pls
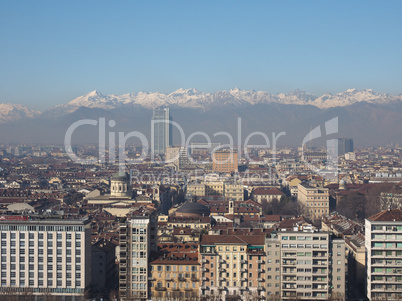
(345, 145)
(178, 156)
(137, 239)
(162, 131)
(45, 256)
(383, 241)
(304, 264)
(225, 161)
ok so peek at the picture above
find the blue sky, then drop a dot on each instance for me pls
(54, 51)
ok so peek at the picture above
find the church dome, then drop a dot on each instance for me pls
(192, 208)
(120, 176)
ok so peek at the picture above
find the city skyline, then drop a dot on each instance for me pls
(54, 52)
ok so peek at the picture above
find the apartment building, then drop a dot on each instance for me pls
(305, 264)
(225, 161)
(175, 272)
(314, 199)
(135, 248)
(45, 256)
(383, 241)
(230, 190)
(233, 266)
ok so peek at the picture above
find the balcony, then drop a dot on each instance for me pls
(222, 270)
(261, 270)
(182, 279)
(151, 278)
(243, 279)
(243, 270)
(243, 261)
(221, 288)
(288, 262)
(204, 261)
(260, 288)
(204, 278)
(160, 288)
(204, 269)
(261, 279)
(194, 279)
(260, 261)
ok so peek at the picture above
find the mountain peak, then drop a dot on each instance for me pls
(94, 93)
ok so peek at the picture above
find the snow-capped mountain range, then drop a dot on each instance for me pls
(12, 112)
(192, 98)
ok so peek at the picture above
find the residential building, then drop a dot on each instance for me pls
(45, 255)
(315, 200)
(233, 266)
(135, 249)
(383, 238)
(225, 161)
(305, 264)
(104, 267)
(268, 194)
(175, 273)
(229, 190)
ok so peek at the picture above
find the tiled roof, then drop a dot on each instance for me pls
(387, 216)
(233, 239)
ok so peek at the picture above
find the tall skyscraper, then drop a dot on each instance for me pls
(345, 145)
(162, 130)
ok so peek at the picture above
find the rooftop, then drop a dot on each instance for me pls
(390, 215)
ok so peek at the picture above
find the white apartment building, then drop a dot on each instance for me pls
(45, 256)
(384, 255)
(305, 264)
(134, 255)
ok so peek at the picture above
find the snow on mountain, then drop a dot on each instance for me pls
(13, 112)
(193, 98)
(352, 96)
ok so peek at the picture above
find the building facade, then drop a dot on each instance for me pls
(315, 200)
(345, 145)
(229, 190)
(161, 131)
(135, 249)
(45, 256)
(232, 266)
(305, 265)
(225, 161)
(383, 239)
(175, 273)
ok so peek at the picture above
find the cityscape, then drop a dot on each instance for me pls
(189, 187)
